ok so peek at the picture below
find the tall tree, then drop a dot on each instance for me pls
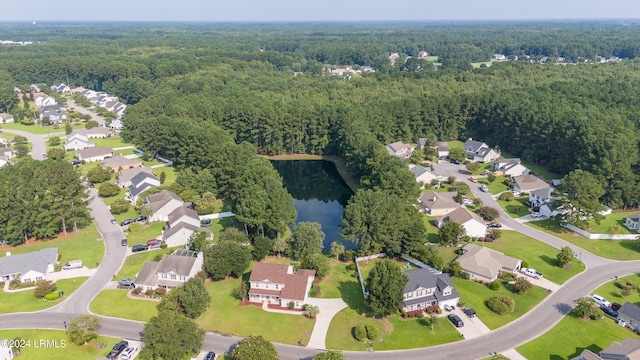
(254, 347)
(170, 335)
(194, 298)
(385, 285)
(226, 259)
(307, 239)
(582, 200)
(84, 329)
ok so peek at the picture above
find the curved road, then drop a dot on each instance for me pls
(533, 324)
(38, 143)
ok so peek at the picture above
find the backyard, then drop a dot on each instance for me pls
(611, 220)
(115, 303)
(70, 350)
(24, 301)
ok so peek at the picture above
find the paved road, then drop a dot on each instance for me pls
(38, 144)
(84, 111)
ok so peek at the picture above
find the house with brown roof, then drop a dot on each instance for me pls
(121, 162)
(171, 272)
(627, 349)
(485, 264)
(278, 284)
(443, 149)
(94, 154)
(438, 203)
(162, 204)
(527, 184)
(400, 149)
(472, 223)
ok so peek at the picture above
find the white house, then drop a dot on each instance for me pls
(400, 149)
(540, 196)
(479, 151)
(438, 203)
(172, 271)
(141, 182)
(116, 124)
(423, 175)
(6, 118)
(472, 223)
(549, 210)
(426, 288)
(633, 221)
(44, 100)
(162, 204)
(27, 267)
(125, 176)
(94, 154)
(180, 234)
(78, 141)
(100, 132)
(278, 284)
(510, 167)
(61, 88)
(54, 117)
(485, 264)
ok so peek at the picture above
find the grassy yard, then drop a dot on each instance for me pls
(571, 336)
(537, 254)
(169, 171)
(616, 218)
(330, 284)
(496, 187)
(116, 303)
(72, 247)
(367, 265)
(517, 204)
(610, 249)
(535, 169)
(475, 295)
(24, 301)
(612, 293)
(39, 130)
(133, 263)
(455, 144)
(147, 232)
(483, 168)
(112, 142)
(70, 350)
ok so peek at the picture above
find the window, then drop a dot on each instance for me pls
(419, 293)
(173, 277)
(277, 286)
(409, 295)
(266, 286)
(256, 285)
(164, 276)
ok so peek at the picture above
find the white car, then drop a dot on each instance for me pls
(600, 300)
(536, 215)
(128, 353)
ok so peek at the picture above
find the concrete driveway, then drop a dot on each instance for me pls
(70, 274)
(328, 309)
(473, 327)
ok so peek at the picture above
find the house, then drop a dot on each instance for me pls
(52, 108)
(125, 175)
(484, 264)
(540, 196)
(171, 272)
(162, 204)
(121, 162)
(78, 141)
(116, 124)
(43, 100)
(277, 284)
(440, 203)
(633, 221)
(367, 69)
(425, 289)
(183, 214)
(139, 183)
(78, 90)
(443, 149)
(180, 234)
(527, 184)
(548, 209)
(6, 118)
(119, 109)
(627, 349)
(54, 117)
(422, 142)
(499, 57)
(6, 352)
(472, 223)
(400, 149)
(423, 175)
(423, 54)
(87, 93)
(630, 314)
(94, 154)
(510, 167)
(34, 88)
(60, 88)
(27, 267)
(479, 151)
(100, 132)
(5, 155)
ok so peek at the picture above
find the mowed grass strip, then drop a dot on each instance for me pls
(115, 303)
(55, 338)
(476, 295)
(146, 232)
(133, 263)
(612, 292)
(24, 301)
(610, 249)
(537, 254)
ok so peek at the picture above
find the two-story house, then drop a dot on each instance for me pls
(172, 271)
(127, 174)
(60, 88)
(78, 141)
(479, 151)
(527, 184)
(510, 167)
(277, 284)
(181, 224)
(139, 183)
(162, 204)
(438, 203)
(400, 149)
(426, 288)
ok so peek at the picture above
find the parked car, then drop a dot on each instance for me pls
(469, 312)
(75, 162)
(128, 353)
(531, 272)
(615, 306)
(455, 162)
(137, 248)
(154, 244)
(536, 215)
(484, 188)
(467, 200)
(117, 349)
(126, 222)
(114, 221)
(125, 282)
(609, 311)
(140, 218)
(600, 300)
(210, 356)
(449, 308)
(455, 320)
(494, 225)
(124, 242)
(73, 264)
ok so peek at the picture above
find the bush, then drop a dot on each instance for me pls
(351, 267)
(43, 288)
(506, 196)
(164, 245)
(495, 285)
(522, 285)
(136, 291)
(491, 178)
(488, 213)
(501, 304)
(525, 264)
(52, 296)
(161, 291)
(291, 305)
(150, 293)
(506, 276)
(373, 333)
(108, 190)
(360, 333)
(348, 255)
(121, 206)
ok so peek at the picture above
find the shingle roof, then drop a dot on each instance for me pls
(141, 176)
(425, 278)
(544, 193)
(126, 175)
(98, 130)
(443, 146)
(93, 152)
(398, 145)
(157, 201)
(147, 274)
(182, 211)
(22, 263)
(275, 273)
(120, 161)
(180, 265)
(630, 310)
(529, 183)
(438, 200)
(460, 215)
(630, 348)
(484, 261)
(473, 146)
(137, 190)
(295, 285)
(182, 225)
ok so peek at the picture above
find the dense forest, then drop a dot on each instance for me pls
(210, 96)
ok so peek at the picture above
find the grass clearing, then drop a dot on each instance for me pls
(610, 249)
(571, 336)
(515, 208)
(41, 130)
(475, 295)
(115, 303)
(612, 293)
(111, 141)
(329, 286)
(83, 246)
(169, 171)
(70, 350)
(497, 186)
(616, 218)
(537, 254)
(147, 232)
(24, 301)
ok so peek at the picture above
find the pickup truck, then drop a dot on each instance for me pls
(531, 272)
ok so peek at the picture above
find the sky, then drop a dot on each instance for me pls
(322, 10)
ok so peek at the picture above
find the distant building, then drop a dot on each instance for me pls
(172, 271)
(400, 149)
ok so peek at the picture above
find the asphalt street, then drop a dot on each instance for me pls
(38, 143)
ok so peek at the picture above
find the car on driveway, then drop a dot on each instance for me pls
(494, 225)
(600, 300)
(126, 222)
(125, 282)
(138, 248)
(117, 349)
(154, 244)
(210, 356)
(140, 218)
(536, 215)
(609, 311)
(455, 320)
(469, 312)
(449, 308)
(128, 353)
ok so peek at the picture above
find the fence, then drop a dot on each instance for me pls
(368, 257)
(589, 235)
(420, 264)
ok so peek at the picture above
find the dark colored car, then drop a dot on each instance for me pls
(494, 225)
(455, 320)
(457, 162)
(124, 242)
(469, 312)
(154, 244)
(615, 306)
(126, 222)
(137, 248)
(609, 311)
(75, 162)
(117, 349)
(140, 218)
(210, 356)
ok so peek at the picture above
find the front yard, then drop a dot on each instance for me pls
(133, 263)
(612, 293)
(69, 351)
(537, 254)
(515, 208)
(145, 232)
(616, 218)
(115, 303)
(497, 186)
(24, 301)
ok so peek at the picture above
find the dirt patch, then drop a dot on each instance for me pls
(246, 302)
(568, 267)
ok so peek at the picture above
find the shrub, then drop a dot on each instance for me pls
(491, 178)
(373, 333)
(311, 311)
(291, 305)
(240, 292)
(108, 190)
(525, 264)
(501, 304)
(495, 285)
(506, 276)
(43, 288)
(351, 267)
(52, 296)
(164, 246)
(360, 333)
(348, 255)
(161, 291)
(432, 309)
(136, 291)
(121, 206)
(488, 213)
(506, 196)
(150, 293)
(522, 285)
(403, 314)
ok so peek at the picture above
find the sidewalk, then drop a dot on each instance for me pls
(512, 354)
(265, 307)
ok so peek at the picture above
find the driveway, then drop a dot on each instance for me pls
(328, 309)
(70, 274)
(473, 327)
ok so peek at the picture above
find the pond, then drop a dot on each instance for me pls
(319, 194)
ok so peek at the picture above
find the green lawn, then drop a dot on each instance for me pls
(63, 352)
(496, 187)
(83, 246)
(475, 295)
(535, 169)
(571, 336)
(510, 207)
(115, 303)
(609, 220)
(133, 263)
(537, 254)
(329, 286)
(39, 130)
(416, 333)
(483, 168)
(455, 144)
(610, 249)
(169, 171)
(147, 232)
(612, 293)
(24, 301)
(112, 142)
(367, 265)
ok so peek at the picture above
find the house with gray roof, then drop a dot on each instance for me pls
(438, 203)
(139, 183)
(27, 267)
(126, 174)
(479, 151)
(630, 314)
(423, 175)
(54, 117)
(633, 221)
(162, 204)
(527, 184)
(443, 149)
(171, 272)
(6, 118)
(627, 349)
(120, 162)
(540, 196)
(78, 141)
(422, 142)
(181, 224)
(426, 288)
(510, 167)
(93, 154)
(97, 132)
(116, 125)
(485, 264)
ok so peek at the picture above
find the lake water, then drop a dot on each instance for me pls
(319, 194)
